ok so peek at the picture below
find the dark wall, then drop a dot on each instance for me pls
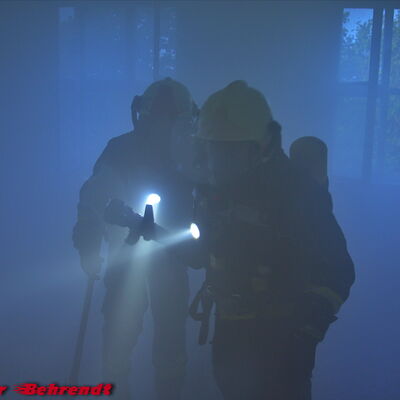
(29, 116)
(30, 207)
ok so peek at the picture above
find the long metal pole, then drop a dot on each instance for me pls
(76, 365)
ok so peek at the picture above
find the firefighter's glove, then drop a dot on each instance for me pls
(87, 234)
(91, 263)
(117, 213)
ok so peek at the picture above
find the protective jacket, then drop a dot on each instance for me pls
(129, 170)
(276, 249)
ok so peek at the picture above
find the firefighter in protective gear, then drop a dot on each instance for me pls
(278, 268)
(132, 166)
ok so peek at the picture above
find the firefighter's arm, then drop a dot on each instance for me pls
(89, 229)
(191, 252)
(331, 269)
(333, 273)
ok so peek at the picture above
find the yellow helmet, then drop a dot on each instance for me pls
(235, 113)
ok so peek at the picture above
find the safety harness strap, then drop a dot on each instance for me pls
(206, 302)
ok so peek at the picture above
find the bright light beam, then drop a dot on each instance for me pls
(153, 199)
(194, 230)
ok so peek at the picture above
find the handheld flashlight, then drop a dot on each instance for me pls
(194, 230)
(153, 199)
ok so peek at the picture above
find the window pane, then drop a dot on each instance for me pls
(395, 66)
(144, 47)
(349, 137)
(104, 43)
(167, 42)
(356, 44)
(392, 142)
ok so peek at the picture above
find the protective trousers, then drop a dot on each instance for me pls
(257, 359)
(128, 288)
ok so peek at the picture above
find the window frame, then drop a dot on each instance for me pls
(376, 90)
